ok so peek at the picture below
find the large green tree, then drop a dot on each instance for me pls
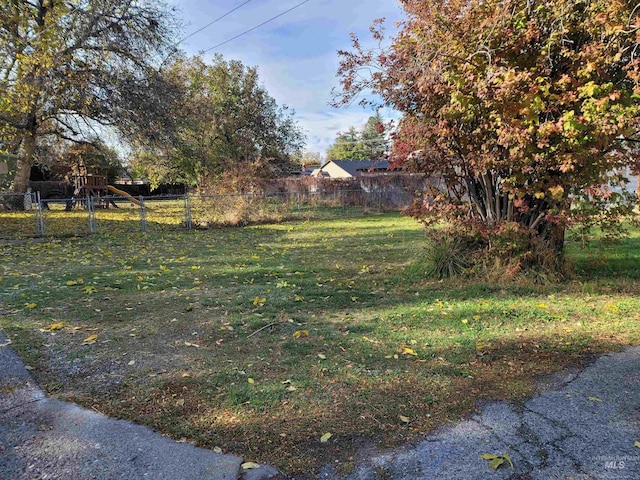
(74, 68)
(369, 143)
(373, 138)
(347, 146)
(521, 109)
(228, 124)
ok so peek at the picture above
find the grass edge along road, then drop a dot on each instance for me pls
(261, 340)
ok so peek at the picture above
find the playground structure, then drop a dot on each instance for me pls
(87, 185)
(124, 194)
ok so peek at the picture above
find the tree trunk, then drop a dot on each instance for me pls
(555, 237)
(25, 160)
(34, 80)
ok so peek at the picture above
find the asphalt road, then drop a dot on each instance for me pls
(582, 426)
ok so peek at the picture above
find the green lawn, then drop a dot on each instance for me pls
(259, 340)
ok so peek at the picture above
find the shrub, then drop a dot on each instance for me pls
(238, 210)
(504, 253)
(446, 255)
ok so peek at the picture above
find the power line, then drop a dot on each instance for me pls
(256, 27)
(174, 47)
(212, 22)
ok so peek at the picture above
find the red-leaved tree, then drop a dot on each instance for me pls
(525, 111)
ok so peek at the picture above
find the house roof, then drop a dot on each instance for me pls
(354, 166)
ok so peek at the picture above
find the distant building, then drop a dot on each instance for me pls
(631, 185)
(307, 171)
(126, 179)
(350, 168)
(634, 184)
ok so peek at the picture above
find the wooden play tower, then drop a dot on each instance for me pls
(89, 185)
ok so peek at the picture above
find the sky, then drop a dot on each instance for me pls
(296, 54)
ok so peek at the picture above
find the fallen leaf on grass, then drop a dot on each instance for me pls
(251, 380)
(180, 402)
(56, 326)
(31, 306)
(249, 465)
(325, 438)
(322, 356)
(186, 375)
(189, 344)
(404, 419)
(131, 362)
(495, 461)
(300, 333)
(409, 351)
(90, 339)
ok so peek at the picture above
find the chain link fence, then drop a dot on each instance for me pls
(20, 215)
(29, 216)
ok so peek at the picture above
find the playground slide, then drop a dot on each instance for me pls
(113, 189)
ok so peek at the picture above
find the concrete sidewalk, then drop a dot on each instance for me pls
(42, 438)
(582, 427)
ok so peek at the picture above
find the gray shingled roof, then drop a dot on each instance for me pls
(355, 166)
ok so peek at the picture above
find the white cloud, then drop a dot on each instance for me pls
(296, 54)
